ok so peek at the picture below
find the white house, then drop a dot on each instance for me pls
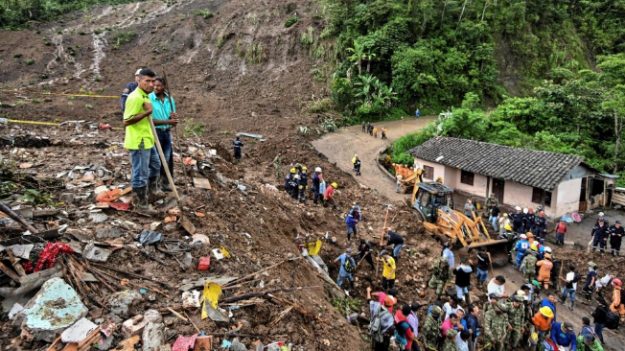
(560, 183)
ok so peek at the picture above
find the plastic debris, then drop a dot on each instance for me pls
(148, 237)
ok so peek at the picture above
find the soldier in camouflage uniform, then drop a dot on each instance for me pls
(277, 165)
(528, 266)
(450, 341)
(432, 329)
(496, 325)
(440, 276)
(516, 318)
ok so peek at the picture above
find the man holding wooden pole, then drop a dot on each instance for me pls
(139, 141)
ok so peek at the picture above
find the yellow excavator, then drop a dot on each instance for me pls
(434, 206)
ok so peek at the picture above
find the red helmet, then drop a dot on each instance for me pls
(617, 282)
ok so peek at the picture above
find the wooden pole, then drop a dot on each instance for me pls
(490, 263)
(16, 217)
(163, 160)
(384, 228)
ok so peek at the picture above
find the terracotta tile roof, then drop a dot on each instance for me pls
(540, 169)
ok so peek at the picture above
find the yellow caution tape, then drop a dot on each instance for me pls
(64, 94)
(19, 121)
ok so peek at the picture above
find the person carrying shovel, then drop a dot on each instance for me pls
(139, 140)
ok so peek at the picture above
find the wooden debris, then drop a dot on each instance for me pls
(202, 183)
(9, 272)
(16, 217)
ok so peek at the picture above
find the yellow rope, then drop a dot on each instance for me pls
(19, 121)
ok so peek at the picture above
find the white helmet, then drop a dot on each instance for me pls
(517, 208)
(547, 249)
(525, 210)
(601, 214)
(523, 236)
(318, 169)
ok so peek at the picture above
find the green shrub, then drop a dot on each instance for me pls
(122, 38)
(291, 21)
(205, 14)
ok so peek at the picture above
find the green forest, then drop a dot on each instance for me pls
(544, 74)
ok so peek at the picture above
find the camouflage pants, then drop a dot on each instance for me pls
(278, 170)
(437, 284)
(529, 276)
(497, 341)
(514, 337)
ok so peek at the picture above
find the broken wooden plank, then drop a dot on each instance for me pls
(16, 264)
(202, 183)
(9, 272)
(187, 225)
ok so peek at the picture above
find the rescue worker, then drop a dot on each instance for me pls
(520, 248)
(347, 265)
(277, 165)
(600, 236)
(328, 195)
(356, 163)
(237, 144)
(542, 323)
(539, 225)
(316, 180)
(303, 184)
(469, 209)
(496, 325)
(393, 238)
(591, 279)
(431, 329)
(504, 224)
(356, 211)
(294, 186)
(517, 320)
(382, 321)
(440, 276)
(388, 272)
(616, 233)
(560, 230)
(528, 265)
(288, 181)
(364, 253)
(351, 222)
(528, 219)
(517, 220)
(544, 270)
(562, 334)
(617, 306)
(588, 343)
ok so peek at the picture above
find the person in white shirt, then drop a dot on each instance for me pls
(570, 286)
(451, 307)
(496, 287)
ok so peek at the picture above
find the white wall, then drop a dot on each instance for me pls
(478, 188)
(567, 196)
(439, 170)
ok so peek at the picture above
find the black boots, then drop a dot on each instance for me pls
(142, 204)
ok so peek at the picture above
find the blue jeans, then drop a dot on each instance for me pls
(570, 293)
(461, 291)
(599, 331)
(481, 275)
(397, 250)
(145, 165)
(164, 136)
(493, 222)
(341, 279)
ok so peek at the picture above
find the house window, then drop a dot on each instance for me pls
(428, 172)
(541, 197)
(467, 177)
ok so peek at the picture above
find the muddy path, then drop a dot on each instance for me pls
(341, 146)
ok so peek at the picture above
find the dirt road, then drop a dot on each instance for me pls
(341, 146)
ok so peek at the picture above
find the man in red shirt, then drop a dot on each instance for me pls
(560, 231)
(328, 195)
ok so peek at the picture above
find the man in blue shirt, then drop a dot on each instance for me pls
(130, 87)
(347, 265)
(164, 117)
(563, 335)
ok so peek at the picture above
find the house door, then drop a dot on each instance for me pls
(498, 188)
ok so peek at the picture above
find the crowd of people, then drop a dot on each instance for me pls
(374, 131)
(491, 316)
(321, 191)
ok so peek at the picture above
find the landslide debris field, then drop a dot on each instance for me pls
(240, 70)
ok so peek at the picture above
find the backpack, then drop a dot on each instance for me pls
(612, 320)
(349, 266)
(376, 329)
(400, 339)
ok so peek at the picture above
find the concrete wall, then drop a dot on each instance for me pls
(478, 188)
(567, 196)
(439, 169)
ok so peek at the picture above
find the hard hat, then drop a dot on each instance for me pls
(292, 170)
(334, 185)
(355, 155)
(548, 249)
(617, 282)
(296, 176)
(523, 236)
(507, 227)
(601, 214)
(389, 301)
(318, 169)
(304, 169)
(592, 264)
(505, 215)
(546, 311)
(525, 210)
(517, 208)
